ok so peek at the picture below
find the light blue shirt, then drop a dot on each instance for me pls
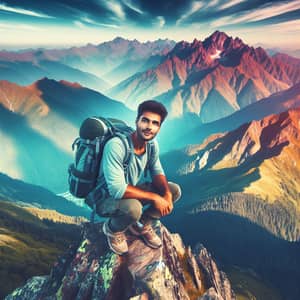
(111, 174)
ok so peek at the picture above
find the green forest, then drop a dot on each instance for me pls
(29, 246)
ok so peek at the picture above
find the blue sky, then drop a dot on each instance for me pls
(76, 22)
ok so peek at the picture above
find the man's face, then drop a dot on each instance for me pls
(148, 125)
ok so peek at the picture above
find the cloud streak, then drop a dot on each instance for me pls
(132, 6)
(89, 21)
(161, 21)
(23, 11)
(117, 9)
(257, 15)
(271, 11)
(231, 3)
(195, 6)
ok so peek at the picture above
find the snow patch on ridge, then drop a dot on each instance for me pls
(216, 55)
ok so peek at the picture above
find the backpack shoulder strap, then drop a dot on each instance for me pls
(128, 151)
(150, 152)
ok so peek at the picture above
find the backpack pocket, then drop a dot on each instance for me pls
(80, 183)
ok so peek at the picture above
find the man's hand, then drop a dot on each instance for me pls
(168, 197)
(162, 205)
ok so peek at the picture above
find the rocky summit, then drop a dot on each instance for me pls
(90, 270)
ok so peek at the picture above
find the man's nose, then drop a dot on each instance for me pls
(149, 125)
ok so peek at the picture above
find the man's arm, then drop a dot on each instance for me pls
(159, 179)
(161, 184)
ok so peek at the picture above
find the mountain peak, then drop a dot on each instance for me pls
(119, 39)
(90, 270)
(45, 81)
(221, 41)
(70, 84)
(217, 35)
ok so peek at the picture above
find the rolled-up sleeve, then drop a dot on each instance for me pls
(113, 169)
(155, 166)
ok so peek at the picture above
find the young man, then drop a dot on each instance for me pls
(121, 197)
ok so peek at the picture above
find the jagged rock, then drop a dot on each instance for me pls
(192, 263)
(211, 294)
(30, 290)
(91, 271)
(216, 281)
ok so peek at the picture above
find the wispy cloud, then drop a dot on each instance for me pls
(223, 22)
(212, 3)
(23, 11)
(109, 25)
(93, 22)
(270, 11)
(230, 4)
(195, 6)
(289, 26)
(79, 24)
(116, 8)
(161, 21)
(257, 15)
(132, 6)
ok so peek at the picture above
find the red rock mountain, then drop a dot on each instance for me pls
(260, 158)
(24, 100)
(46, 96)
(252, 172)
(212, 78)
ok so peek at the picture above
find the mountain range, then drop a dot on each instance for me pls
(212, 79)
(259, 159)
(274, 104)
(114, 60)
(26, 72)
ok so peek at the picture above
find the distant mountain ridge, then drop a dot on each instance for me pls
(212, 79)
(274, 104)
(28, 195)
(25, 71)
(107, 60)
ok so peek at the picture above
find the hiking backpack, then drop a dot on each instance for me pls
(93, 134)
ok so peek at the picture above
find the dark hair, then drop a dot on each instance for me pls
(152, 106)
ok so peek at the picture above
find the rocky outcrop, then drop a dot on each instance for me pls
(217, 281)
(90, 270)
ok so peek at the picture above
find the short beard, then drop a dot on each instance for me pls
(140, 136)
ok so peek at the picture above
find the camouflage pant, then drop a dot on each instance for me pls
(123, 212)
